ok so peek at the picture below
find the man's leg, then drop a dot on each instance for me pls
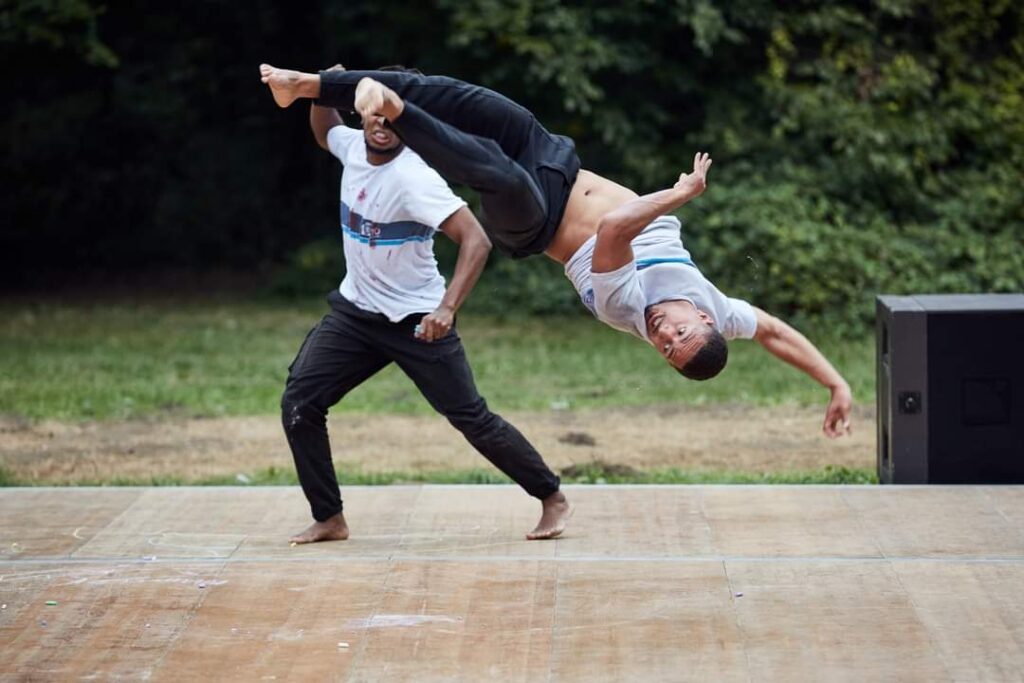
(442, 374)
(471, 108)
(470, 135)
(514, 210)
(334, 359)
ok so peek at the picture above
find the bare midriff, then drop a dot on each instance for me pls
(590, 199)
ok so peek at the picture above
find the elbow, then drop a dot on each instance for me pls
(482, 244)
(616, 222)
(609, 224)
(474, 250)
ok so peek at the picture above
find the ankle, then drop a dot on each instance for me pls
(309, 86)
(337, 520)
(556, 498)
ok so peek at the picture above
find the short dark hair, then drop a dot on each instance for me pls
(711, 358)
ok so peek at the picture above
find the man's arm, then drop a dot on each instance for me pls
(785, 343)
(321, 120)
(463, 229)
(618, 228)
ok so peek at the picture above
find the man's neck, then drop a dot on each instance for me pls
(379, 157)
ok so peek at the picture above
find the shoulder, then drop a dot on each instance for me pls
(418, 181)
(617, 291)
(341, 132)
(424, 194)
(340, 139)
(411, 167)
(746, 321)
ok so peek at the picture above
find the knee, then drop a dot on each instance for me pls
(511, 178)
(475, 421)
(297, 415)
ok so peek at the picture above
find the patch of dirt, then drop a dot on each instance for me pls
(734, 438)
(577, 439)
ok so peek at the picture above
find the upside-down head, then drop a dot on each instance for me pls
(687, 338)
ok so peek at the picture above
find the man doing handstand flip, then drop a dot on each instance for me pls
(621, 251)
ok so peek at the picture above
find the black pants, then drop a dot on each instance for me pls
(476, 137)
(349, 346)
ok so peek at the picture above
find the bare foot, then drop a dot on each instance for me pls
(555, 516)
(331, 529)
(287, 86)
(374, 98)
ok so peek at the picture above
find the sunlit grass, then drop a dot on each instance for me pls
(97, 361)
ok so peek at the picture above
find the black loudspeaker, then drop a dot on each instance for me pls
(950, 389)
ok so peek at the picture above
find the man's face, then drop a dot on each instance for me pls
(379, 137)
(677, 330)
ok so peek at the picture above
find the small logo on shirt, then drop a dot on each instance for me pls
(588, 300)
(362, 195)
(371, 231)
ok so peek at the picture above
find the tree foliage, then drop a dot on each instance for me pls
(859, 146)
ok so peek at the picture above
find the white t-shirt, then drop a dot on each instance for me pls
(661, 270)
(389, 214)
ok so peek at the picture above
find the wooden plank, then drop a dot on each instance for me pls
(473, 521)
(446, 621)
(830, 621)
(937, 521)
(623, 621)
(277, 621)
(786, 521)
(974, 614)
(56, 522)
(630, 522)
(109, 621)
(185, 522)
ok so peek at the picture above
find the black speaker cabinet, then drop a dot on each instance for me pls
(950, 389)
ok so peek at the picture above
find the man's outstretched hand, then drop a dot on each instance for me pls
(837, 415)
(693, 184)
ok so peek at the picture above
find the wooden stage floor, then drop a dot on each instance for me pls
(650, 583)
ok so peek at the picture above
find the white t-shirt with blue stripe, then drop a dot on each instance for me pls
(661, 270)
(389, 214)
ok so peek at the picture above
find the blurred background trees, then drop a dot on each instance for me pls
(859, 146)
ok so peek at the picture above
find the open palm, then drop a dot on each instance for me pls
(693, 184)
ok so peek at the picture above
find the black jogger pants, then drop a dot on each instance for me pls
(348, 347)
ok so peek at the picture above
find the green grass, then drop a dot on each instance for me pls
(104, 360)
(593, 474)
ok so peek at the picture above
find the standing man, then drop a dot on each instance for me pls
(621, 251)
(392, 306)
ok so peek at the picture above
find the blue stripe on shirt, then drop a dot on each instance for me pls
(648, 262)
(364, 239)
(398, 232)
